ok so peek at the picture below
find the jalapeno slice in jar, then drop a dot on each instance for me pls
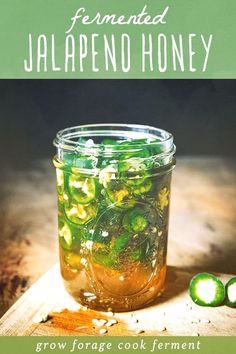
(134, 178)
(68, 159)
(135, 220)
(86, 162)
(139, 182)
(139, 252)
(206, 290)
(80, 213)
(108, 141)
(143, 188)
(120, 195)
(121, 241)
(107, 225)
(132, 164)
(105, 257)
(69, 237)
(231, 292)
(81, 189)
(60, 181)
(100, 236)
(106, 260)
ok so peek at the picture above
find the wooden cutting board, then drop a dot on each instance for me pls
(173, 313)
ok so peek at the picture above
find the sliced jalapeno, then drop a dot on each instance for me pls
(135, 220)
(140, 154)
(107, 225)
(133, 160)
(121, 241)
(69, 237)
(82, 189)
(143, 188)
(139, 253)
(68, 158)
(84, 162)
(231, 292)
(119, 194)
(155, 147)
(105, 258)
(206, 290)
(108, 141)
(75, 161)
(136, 179)
(60, 180)
(139, 182)
(101, 236)
(80, 213)
(131, 164)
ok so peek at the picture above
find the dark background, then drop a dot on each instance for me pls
(200, 113)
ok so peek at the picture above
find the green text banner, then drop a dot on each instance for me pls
(117, 39)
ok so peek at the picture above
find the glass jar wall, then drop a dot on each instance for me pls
(113, 184)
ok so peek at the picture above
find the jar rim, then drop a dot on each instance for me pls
(67, 139)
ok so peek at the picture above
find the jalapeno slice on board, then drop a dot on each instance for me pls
(206, 290)
(69, 237)
(81, 189)
(135, 220)
(231, 292)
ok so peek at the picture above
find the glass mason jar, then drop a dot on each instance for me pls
(113, 184)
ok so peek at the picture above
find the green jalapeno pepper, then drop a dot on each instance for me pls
(80, 213)
(133, 163)
(139, 252)
(69, 236)
(60, 181)
(84, 163)
(119, 194)
(81, 189)
(68, 159)
(142, 188)
(105, 258)
(100, 236)
(107, 225)
(231, 292)
(108, 141)
(206, 290)
(135, 220)
(121, 241)
(75, 162)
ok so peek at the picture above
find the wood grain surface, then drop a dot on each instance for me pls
(172, 314)
(202, 233)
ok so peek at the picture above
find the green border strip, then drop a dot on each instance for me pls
(194, 20)
(115, 345)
